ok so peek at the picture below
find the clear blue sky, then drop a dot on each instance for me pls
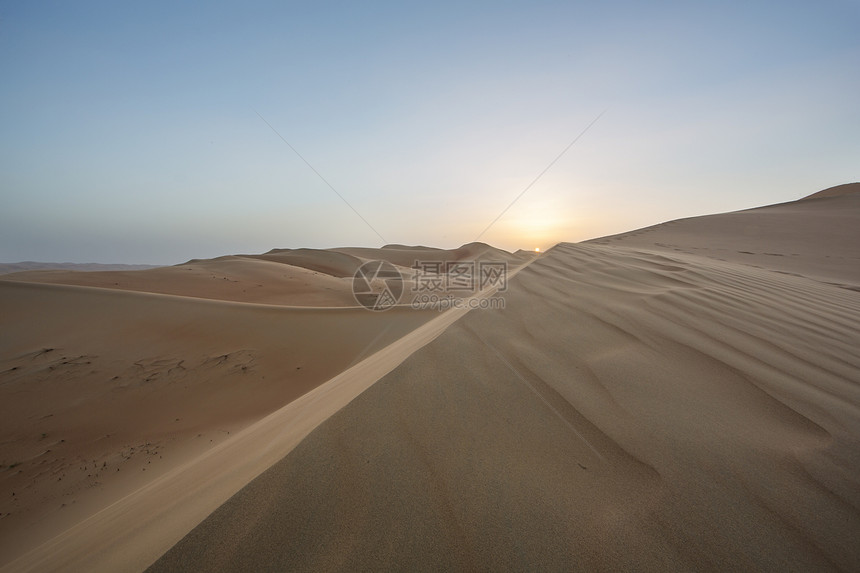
(129, 133)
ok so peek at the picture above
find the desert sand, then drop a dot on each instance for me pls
(287, 277)
(684, 397)
(6, 268)
(815, 237)
(112, 379)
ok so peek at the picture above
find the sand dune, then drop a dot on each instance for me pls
(6, 268)
(682, 397)
(291, 277)
(136, 529)
(111, 380)
(630, 408)
(816, 237)
(405, 256)
(104, 389)
(238, 279)
(839, 190)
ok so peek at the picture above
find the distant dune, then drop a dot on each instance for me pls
(290, 277)
(6, 268)
(682, 397)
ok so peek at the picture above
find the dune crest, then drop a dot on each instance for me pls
(817, 239)
(837, 191)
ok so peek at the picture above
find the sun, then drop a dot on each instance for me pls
(537, 249)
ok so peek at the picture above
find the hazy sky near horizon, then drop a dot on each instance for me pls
(129, 133)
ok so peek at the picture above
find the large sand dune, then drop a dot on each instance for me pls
(683, 397)
(816, 237)
(631, 408)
